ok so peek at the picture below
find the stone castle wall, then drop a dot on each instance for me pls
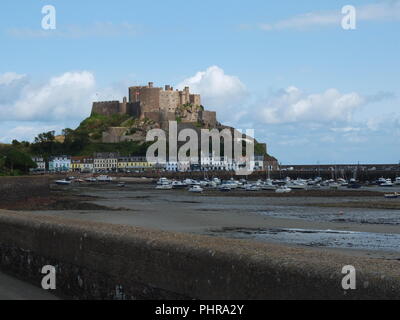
(158, 104)
(209, 118)
(106, 108)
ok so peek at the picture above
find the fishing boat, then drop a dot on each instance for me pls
(196, 189)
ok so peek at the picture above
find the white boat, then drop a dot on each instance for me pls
(224, 188)
(164, 187)
(179, 185)
(381, 180)
(342, 182)
(392, 195)
(334, 185)
(191, 182)
(397, 181)
(245, 186)
(230, 184)
(253, 188)
(104, 179)
(297, 185)
(217, 181)
(268, 187)
(387, 183)
(63, 182)
(163, 181)
(121, 185)
(196, 189)
(212, 184)
(204, 183)
(91, 179)
(283, 189)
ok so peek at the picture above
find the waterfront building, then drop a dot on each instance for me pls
(60, 164)
(82, 164)
(40, 163)
(133, 163)
(105, 162)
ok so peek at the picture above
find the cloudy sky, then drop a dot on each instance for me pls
(312, 90)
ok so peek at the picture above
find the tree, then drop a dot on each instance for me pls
(13, 159)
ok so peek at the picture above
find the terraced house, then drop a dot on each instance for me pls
(133, 163)
(60, 164)
(82, 164)
(105, 162)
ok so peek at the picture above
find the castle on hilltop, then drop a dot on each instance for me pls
(160, 105)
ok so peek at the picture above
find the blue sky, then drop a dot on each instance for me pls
(312, 90)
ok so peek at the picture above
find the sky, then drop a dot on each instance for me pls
(312, 90)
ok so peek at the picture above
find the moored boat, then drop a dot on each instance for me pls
(224, 189)
(283, 189)
(392, 195)
(164, 187)
(387, 183)
(63, 182)
(196, 189)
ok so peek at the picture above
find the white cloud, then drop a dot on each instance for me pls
(9, 78)
(383, 11)
(67, 96)
(11, 85)
(219, 91)
(346, 129)
(17, 131)
(292, 105)
(98, 30)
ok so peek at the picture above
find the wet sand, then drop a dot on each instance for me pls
(213, 213)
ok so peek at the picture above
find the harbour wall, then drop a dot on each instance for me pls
(103, 261)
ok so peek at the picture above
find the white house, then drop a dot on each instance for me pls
(40, 163)
(60, 164)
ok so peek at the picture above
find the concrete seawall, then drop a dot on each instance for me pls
(101, 261)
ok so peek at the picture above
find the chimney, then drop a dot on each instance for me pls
(151, 84)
